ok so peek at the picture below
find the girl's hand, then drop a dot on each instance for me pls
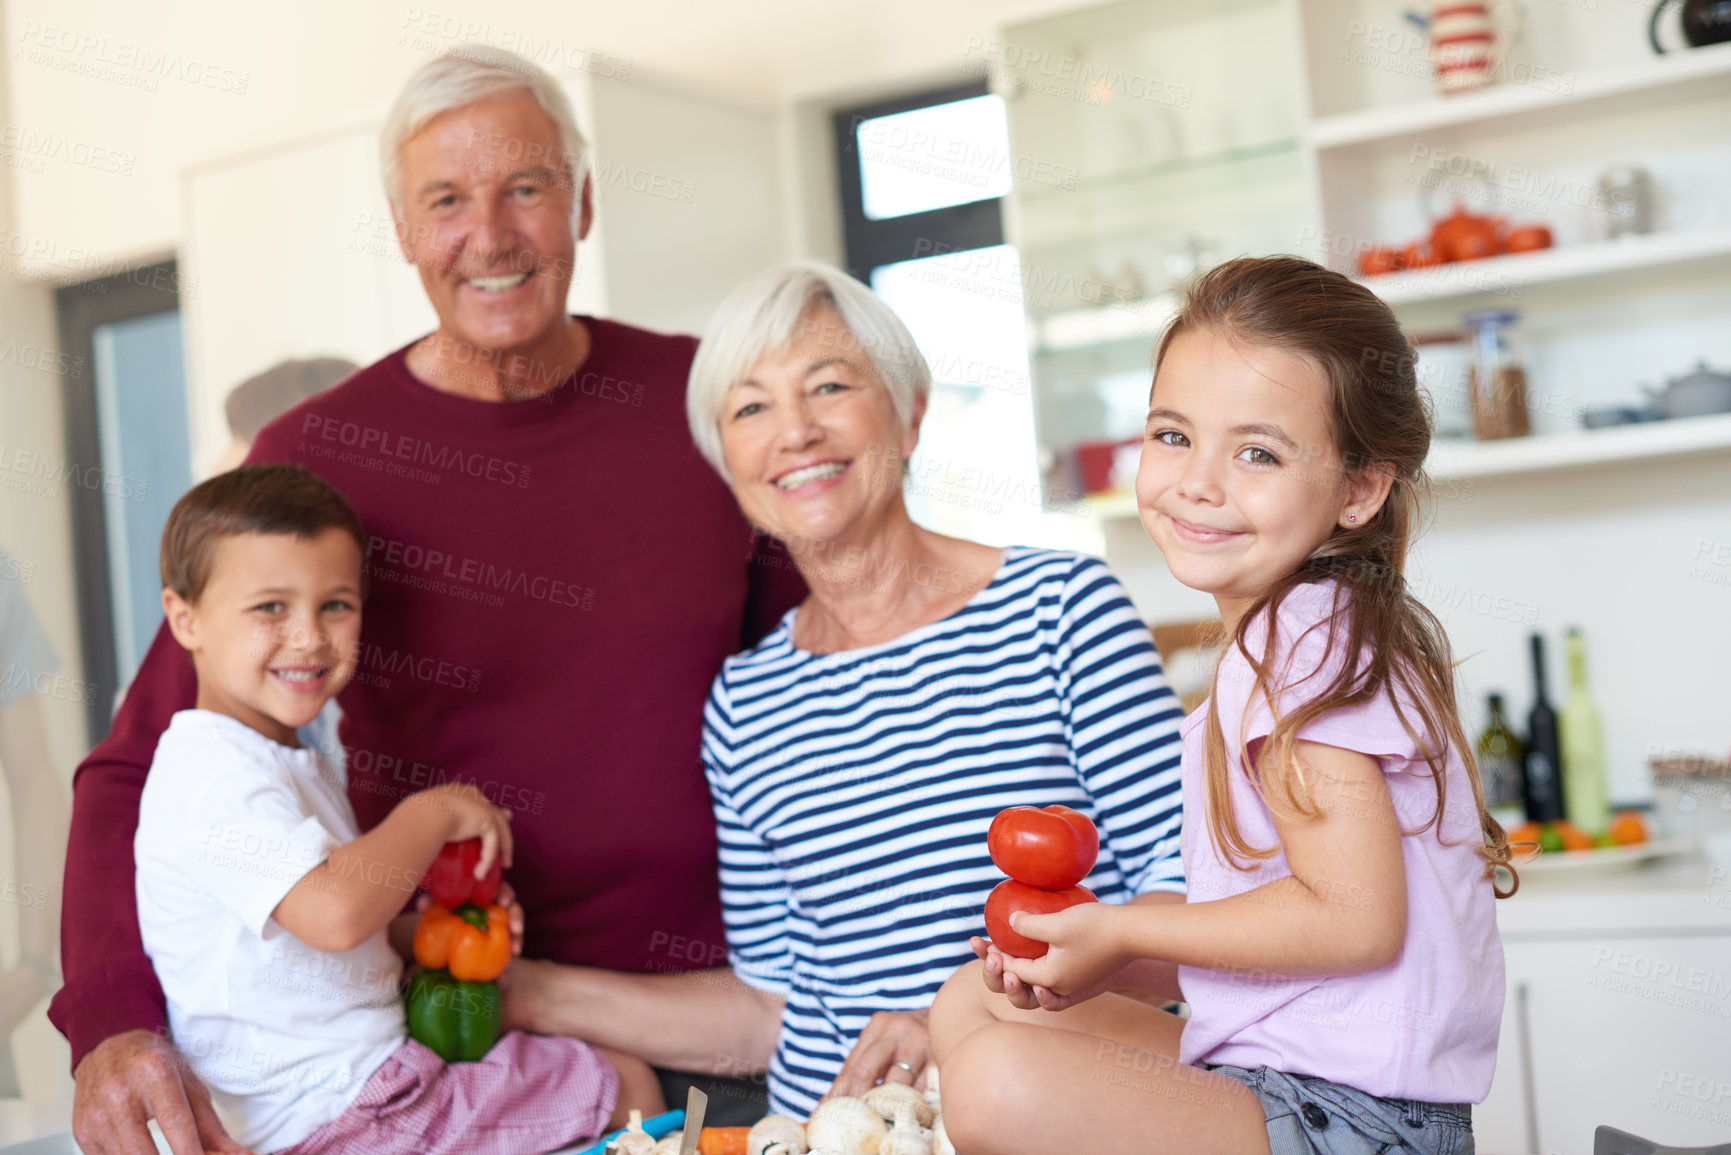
(998, 981)
(1085, 956)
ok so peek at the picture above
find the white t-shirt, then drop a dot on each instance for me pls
(284, 1035)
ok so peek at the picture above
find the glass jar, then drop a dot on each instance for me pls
(1499, 384)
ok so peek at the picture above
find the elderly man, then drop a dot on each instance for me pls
(556, 576)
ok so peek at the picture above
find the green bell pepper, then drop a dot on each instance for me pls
(457, 1020)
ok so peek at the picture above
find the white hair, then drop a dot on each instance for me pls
(761, 317)
(460, 78)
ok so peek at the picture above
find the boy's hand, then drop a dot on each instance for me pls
(472, 816)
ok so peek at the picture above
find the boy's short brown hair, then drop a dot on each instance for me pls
(251, 499)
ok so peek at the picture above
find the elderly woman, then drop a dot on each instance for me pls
(857, 754)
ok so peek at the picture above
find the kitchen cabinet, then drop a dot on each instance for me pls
(1618, 1011)
(1612, 529)
(1181, 135)
(1159, 138)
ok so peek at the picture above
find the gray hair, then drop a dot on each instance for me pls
(258, 401)
(460, 78)
(761, 316)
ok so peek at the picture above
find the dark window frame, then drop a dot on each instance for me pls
(80, 310)
(869, 245)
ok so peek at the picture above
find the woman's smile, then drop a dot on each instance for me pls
(813, 478)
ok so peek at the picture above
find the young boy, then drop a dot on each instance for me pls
(264, 909)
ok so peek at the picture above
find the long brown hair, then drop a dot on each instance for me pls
(1390, 643)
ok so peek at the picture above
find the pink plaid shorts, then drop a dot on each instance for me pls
(530, 1094)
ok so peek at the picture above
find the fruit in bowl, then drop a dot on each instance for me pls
(1627, 828)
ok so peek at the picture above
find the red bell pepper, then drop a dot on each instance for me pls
(451, 878)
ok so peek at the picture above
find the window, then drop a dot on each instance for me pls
(922, 185)
(922, 175)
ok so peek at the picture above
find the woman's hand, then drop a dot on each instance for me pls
(1085, 958)
(893, 1048)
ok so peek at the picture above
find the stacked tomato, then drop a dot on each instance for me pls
(1046, 853)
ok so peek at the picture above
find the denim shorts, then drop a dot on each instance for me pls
(1308, 1116)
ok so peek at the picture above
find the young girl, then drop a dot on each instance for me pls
(1338, 949)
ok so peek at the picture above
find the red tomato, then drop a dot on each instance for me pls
(451, 878)
(1010, 896)
(1051, 848)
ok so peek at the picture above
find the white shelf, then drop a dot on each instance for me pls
(1103, 324)
(1459, 461)
(1652, 440)
(1647, 78)
(1510, 275)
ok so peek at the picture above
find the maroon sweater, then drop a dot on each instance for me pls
(554, 584)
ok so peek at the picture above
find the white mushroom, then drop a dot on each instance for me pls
(634, 1140)
(941, 1144)
(669, 1144)
(776, 1135)
(847, 1125)
(932, 1086)
(907, 1137)
(889, 1098)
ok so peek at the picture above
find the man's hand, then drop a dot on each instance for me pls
(402, 929)
(128, 1079)
(514, 916)
(893, 1048)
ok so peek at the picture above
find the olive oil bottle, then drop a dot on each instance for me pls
(1583, 742)
(1500, 754)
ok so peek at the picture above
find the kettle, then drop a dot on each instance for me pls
(1694, 394)
(1704, 22)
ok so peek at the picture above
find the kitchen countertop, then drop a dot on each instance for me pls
(1687, 893)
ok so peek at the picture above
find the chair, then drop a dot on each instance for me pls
(1610, 1141)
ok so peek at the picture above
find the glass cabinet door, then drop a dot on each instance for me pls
(1153, 139)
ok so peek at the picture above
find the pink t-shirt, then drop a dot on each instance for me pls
(1425, 1026)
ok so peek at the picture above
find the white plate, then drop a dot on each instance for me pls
(1606, 859)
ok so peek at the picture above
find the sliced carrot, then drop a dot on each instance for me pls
(723, 1141)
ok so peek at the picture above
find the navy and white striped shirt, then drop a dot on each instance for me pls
(853, 791)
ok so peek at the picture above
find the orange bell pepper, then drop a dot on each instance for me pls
(472, 943)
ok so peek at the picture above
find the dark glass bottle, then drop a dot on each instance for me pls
(1542, 780)
(1500, 754)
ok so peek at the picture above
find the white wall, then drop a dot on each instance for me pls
(689, 196)
(172, 83)
(36, 530)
